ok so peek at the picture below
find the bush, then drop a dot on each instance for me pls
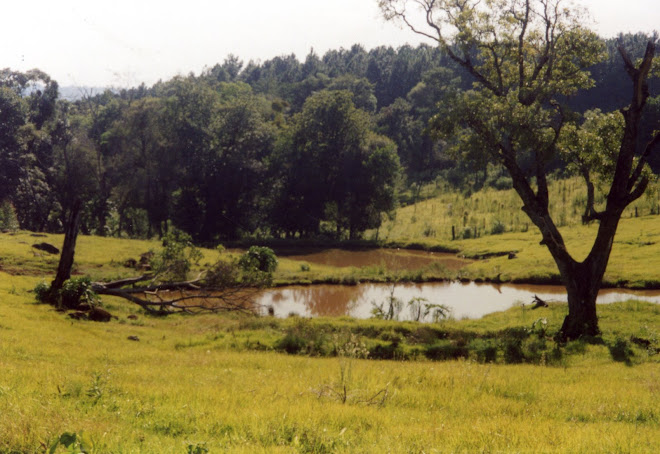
(291, 343)
(446, 350)
(74, 292)
(497, 228)
(304, 338)
(386, 351)
(259, 258)
(78, 291)
(174, 261)
(485, 350)
(8, 218)
(502, 183)
(222, 274)
(43, 293)
(512, 351)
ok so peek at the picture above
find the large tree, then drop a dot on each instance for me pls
(525, 57)
(331, 167)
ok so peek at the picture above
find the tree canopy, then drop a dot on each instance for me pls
(525, 58)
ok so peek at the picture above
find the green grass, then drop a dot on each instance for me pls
(222, 383)
(441, 207)
(635, 256)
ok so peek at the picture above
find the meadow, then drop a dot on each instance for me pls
(225, 382)
(240, 383)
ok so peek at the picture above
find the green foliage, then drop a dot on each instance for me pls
(77, 291)
(74, 292)
(42, 292)
(497, 228)
(446, 350)
(177, 257)
(258, 258)
(8, 218)
(304, 338)
(198, 448)
(74, 443)
(485, 350)
(341, 181)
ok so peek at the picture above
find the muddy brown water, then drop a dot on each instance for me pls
(391, 259)
(465, 300)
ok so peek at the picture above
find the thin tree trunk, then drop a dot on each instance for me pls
(68, 248)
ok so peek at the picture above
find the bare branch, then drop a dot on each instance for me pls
(129, 281)
(637, 192)
(643, 160)
(187, 297)
(521, 42)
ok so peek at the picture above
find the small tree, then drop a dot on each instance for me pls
(525, 56)
(8, 218)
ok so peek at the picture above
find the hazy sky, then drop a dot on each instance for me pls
(126, 42)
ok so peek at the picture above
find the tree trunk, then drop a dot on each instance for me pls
(583, 281)
(68, 248)
(582, 289)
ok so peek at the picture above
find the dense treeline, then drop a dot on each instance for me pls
(280, 148)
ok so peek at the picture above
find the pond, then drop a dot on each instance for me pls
(465, 300)
(391, 259)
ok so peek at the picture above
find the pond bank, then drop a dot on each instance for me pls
(314, 266)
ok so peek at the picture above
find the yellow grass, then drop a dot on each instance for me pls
(159, 395)
(197, 382)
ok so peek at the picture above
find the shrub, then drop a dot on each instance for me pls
(485, 350)
(77, 291)
(534, 350)
(497, 228)
(292, 343)
(74, 292)
(386, 351)
(304, 338)
(512, 350)
(259, 258)
(42, 293)
(446, 350)
(222, 274)
(8, 218)
(502, 183)
(174, 261)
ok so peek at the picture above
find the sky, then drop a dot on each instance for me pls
(123, 43)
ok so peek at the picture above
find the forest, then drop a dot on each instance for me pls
(322, 147)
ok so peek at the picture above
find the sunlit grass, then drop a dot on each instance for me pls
(169, 391)
(635, 255)
(215, 382)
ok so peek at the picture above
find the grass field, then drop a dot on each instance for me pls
(222, 383)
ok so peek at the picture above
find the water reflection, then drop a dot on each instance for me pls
(466, 300)
(391, 259)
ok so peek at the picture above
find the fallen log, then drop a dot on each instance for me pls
(186, 297)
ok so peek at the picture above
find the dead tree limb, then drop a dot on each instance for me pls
(538, 302)
(183, 297)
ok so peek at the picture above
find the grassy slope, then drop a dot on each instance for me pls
(635, 256)
(199, 381)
